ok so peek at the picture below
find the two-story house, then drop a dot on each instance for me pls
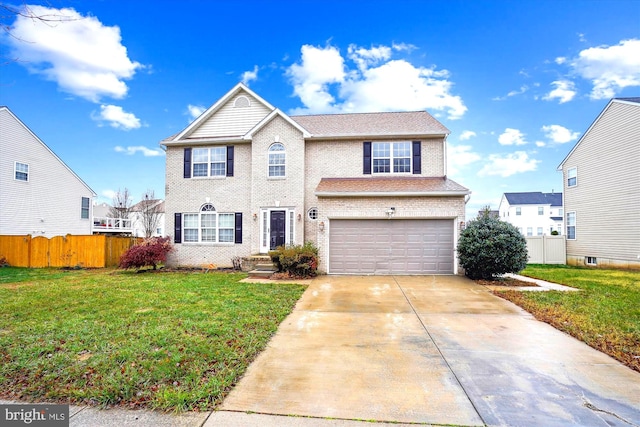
(370, 190)
(533, 213)
(602, 189)
(39, 194)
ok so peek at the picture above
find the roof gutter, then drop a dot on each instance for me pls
(392, 194)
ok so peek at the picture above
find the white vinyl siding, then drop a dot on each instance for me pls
(232, 120)
(606, 199)
(49, 205)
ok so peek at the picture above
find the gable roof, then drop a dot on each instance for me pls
(635, 101)
(385, 186)
(156, 204)
(35, 137)
(362, 125)
(534, 198)
(270, 117)
(214, 108)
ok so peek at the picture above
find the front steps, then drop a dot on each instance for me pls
(261, 266)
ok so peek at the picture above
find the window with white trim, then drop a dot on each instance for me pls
(209, 162)
(391, 157)
(571, 225)
(518, 211)
(312, 214)
(591, 260)
(539, 231)
(540, 210)
(21, 171)
(572, 177)
(529, 231)
(208, 226)
(84, 208)
(277, 160)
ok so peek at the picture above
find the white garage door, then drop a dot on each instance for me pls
(391, 246)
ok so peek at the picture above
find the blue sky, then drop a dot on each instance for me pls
(516, 82)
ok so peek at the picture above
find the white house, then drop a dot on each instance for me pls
(148, 214)
(533, 213)
(39, 194)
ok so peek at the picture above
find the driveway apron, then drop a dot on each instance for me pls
(430, 349)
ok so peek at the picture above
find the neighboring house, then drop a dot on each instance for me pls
(104, 221)
(601, 178)
(148, 215)
(39, 194)
(533, 213)
(370, 190)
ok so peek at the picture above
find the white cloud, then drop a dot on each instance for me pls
(109, 194)
(83, 56)
(467, 134)
(459, 156)
(325, 83)
(564, 91)
(560, 60)
(249, 76)
(117, 117)
(540, 144)
(512, 137)
(610, 68)
(520, 91)
(559, 134)
(195, 111)
(509, 164)
(147, 152)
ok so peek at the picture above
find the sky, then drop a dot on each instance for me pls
(516, 82)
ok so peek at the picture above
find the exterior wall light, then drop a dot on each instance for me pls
(321, 225)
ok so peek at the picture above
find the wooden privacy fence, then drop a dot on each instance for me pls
(547, 249)
(96, 251)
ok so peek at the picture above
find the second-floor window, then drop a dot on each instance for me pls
(21, 171)
(210, 161)
(540, 210)
(277, 160)
(518, 211)
(572, 177)
(529, 231)
(391, 157)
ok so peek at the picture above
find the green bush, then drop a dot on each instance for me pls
(296, 260)
(489, 247)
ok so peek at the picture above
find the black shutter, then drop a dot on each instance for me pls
(366, 158)
(238, 237)
(230, 160)
(187, 162)
(177, 228)
(417, 160)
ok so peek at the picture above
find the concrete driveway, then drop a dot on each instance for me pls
(431, 349)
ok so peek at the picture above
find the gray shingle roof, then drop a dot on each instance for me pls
(371, 124)
(389, 185)
(534, 198)
(633, 99)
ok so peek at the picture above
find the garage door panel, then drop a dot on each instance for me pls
(391, 246)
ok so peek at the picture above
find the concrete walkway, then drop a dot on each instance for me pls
(413, 349)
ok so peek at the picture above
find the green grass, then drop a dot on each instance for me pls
(168, 340)
(605, 314)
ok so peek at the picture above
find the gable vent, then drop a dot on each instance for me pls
(242, 102)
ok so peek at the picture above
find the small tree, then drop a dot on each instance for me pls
(150, 252)
(121, 204)
(489, 247)
(149, 211)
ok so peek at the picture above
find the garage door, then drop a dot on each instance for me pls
(395, 246)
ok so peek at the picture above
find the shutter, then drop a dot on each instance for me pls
(366, 158)
(187, 163)
(238, 237)
(230, 160)
(177, 228)
(417, 160)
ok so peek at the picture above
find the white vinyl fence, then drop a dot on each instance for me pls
(547, 249)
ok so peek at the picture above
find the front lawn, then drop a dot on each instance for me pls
(169, 340)
(605, 314)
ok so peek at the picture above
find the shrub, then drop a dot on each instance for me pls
(489, 247)
(296, 260)
(554, 233)
(150, 252)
